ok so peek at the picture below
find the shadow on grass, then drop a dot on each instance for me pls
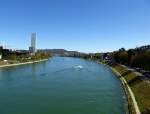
(126, 73)
(146, 112)
(134, 81)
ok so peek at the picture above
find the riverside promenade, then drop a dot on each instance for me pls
(131, 94)
(24, 63)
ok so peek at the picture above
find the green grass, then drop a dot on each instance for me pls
(130, 77)
(140, 88)
(119, 68)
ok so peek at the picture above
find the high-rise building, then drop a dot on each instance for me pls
(1, 51)
(32, 49)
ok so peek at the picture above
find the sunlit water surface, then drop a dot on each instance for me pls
(61, 85)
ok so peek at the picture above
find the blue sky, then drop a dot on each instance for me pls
(82, 25)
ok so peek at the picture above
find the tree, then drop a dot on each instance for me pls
(141, 60)
(121, 56)
(131, 53)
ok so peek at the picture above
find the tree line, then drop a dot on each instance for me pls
(139, 58)
(26, 57)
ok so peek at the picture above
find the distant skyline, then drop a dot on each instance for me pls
(81, 25)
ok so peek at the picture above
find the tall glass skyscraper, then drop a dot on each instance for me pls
(1, 50)
(32, 49)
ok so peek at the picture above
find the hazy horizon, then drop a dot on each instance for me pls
(80, 25)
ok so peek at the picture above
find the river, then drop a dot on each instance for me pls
(61, 85)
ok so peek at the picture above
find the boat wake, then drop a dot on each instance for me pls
(78, 67)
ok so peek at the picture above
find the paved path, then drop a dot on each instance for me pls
(132, 97)
(137, 110)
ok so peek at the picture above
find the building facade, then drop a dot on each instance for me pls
(1, 51)
(32, 48)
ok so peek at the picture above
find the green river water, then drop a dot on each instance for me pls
(61, 85)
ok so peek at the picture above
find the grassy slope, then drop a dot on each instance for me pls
(140, 88)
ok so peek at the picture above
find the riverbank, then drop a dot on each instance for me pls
(132, 104)
(138, 89)
(24, 63)
(136, 86)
